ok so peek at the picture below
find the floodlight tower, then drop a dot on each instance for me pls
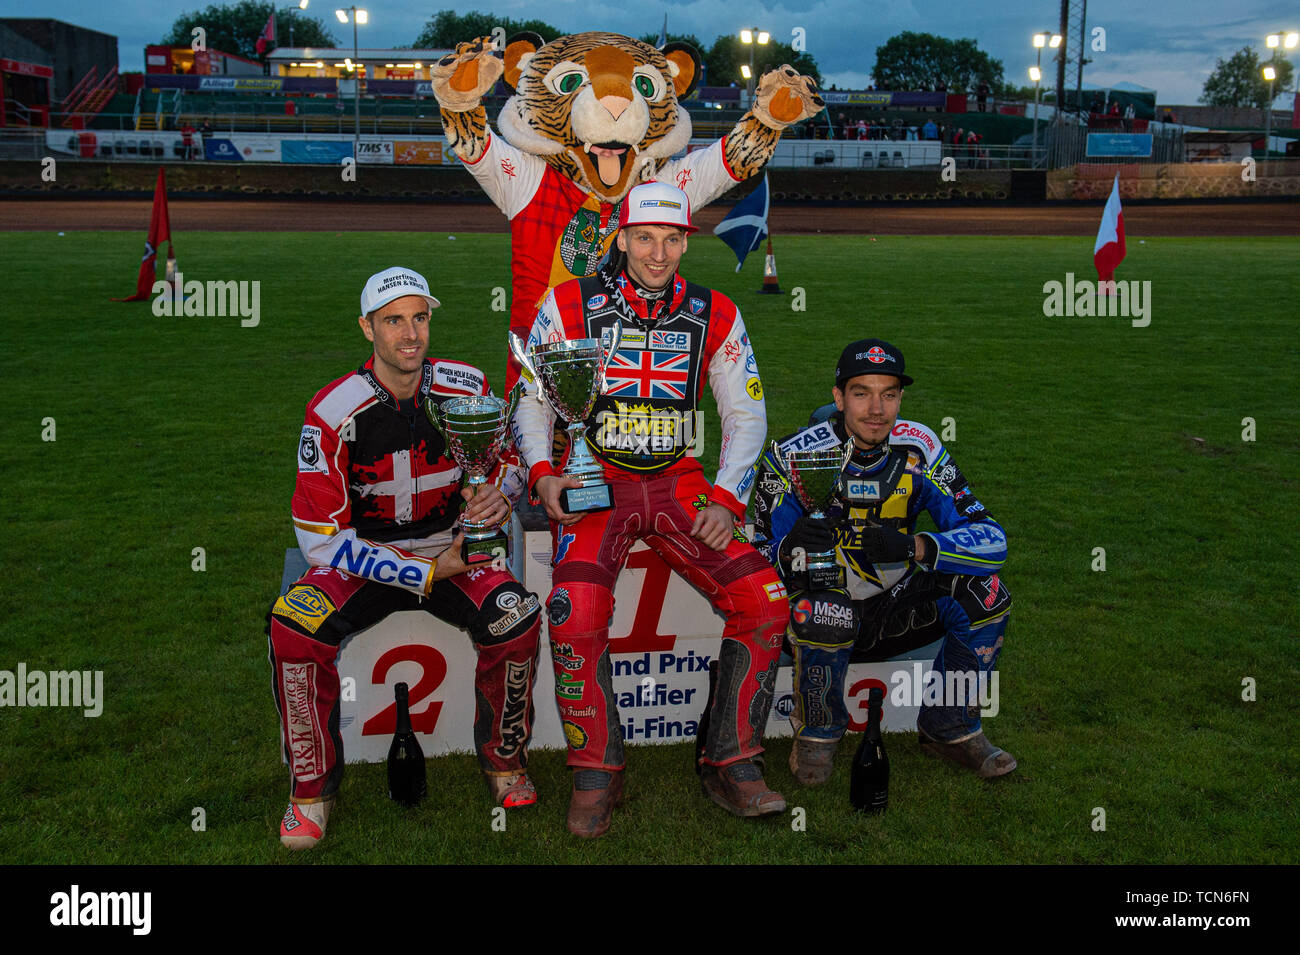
(1070, 62)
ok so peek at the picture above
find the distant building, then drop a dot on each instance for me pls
(184, 61)
(70, 51)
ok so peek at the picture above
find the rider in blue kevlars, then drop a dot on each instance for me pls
(902, 590)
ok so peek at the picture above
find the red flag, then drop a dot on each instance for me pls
(1109, 249)
(160, 231)
(268, 35)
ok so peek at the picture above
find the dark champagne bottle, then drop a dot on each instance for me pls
(869, 782)
(702, 732)
(406, 780)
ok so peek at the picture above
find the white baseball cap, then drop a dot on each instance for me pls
(391, 284)
(656, 203)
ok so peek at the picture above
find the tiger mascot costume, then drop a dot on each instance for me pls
(593, 115)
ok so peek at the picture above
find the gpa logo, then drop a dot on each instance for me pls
(596, 301)
(862, 490)
(697, 306)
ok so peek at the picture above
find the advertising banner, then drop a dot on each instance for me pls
(417, 152)
(319, 151)
(1119, 144)
(663, 637)
(257, 148)
(375, 151)
(262, 83)
(220, 150)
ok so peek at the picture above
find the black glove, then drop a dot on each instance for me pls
(814, 535)
(884, 545)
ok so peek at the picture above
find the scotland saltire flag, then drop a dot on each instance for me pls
(745, 226)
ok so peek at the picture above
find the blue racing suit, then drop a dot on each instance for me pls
(887, 609)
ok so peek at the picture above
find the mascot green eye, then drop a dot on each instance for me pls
(568, 82)
(645, 86)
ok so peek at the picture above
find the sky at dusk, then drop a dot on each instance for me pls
(1168, 46)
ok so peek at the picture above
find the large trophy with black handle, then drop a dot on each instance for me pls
(476, 429)
(571, 376)
(814, 479)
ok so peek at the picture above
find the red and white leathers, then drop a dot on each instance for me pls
(642, 429)
(558, 230)
(376, 501)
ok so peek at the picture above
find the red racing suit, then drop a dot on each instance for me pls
(376, 501)
(643, 429)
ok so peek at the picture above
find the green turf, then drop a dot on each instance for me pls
(1120, 690)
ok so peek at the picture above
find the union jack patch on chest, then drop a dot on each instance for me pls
(633, 373)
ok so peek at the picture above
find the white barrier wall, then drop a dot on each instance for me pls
(663, 636)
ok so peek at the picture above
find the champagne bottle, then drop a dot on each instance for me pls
(406, 780)
(869, 782)
(702, 732)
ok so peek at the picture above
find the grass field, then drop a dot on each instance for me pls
(1120, 689)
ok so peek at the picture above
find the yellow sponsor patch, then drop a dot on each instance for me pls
(306, 606)
(896, 504)
(755, 389)
(574, 735)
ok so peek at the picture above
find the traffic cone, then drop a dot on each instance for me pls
(770, 284)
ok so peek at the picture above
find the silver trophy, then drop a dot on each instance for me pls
(476, 428)
(815, 479)
(571, 375)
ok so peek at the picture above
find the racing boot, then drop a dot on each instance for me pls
(303, 824)
(595, 794)
(739, 789)
(813, 760)
(973, 752)
(511, 790)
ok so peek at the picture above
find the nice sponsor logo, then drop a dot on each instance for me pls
(211, 299)
(76, 688)
(1102, 299)
(919, 686)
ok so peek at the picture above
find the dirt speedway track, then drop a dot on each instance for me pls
(316, 215)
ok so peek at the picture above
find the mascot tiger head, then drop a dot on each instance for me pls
(600, 108)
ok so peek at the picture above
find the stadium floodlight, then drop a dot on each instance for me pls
(1273, 41)
(749, 36)
(745, 71)
(358, 16)
(1040, 40)
(1270, 75)
(1055, 41)
(1035, 74)
(1292, 40)
(302, 4)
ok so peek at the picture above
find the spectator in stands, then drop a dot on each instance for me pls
(862, 130)
(982, 96)
(929, 130)
(1096, 106)
(841, 127)
(1113, 112)
(1129, 115)
(187, 141)
(205, 129)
